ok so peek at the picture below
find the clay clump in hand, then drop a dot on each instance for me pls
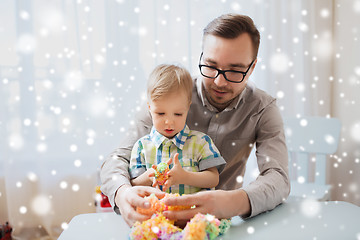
(161, 173)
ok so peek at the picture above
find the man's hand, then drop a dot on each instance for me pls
(222, 204)
(127, 198)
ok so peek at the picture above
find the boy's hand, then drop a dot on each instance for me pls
(176, 174)
(151, 175)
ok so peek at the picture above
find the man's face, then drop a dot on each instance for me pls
(226, 54)
(169, 113)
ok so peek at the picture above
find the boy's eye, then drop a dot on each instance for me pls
(160, 114)
(178, 114)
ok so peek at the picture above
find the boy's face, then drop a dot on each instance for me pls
(169, 113)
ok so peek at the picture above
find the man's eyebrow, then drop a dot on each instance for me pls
(209, 60)
(239, 65)
(233, 65)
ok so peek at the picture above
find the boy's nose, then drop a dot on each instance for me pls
(168, 121)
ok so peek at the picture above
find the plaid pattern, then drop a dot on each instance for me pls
(196, 150)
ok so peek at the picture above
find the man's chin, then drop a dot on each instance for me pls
(220, 101)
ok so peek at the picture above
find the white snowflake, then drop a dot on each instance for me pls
(41, 205)
(26, 44)
(24, 15)
(16, 141)
(77, 163)
(303, 27)
(250, 230)
(279, 62)
(325, 13)
(356, 6)
(310, 207)
(355, 132)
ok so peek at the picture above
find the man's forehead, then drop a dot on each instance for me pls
(227, 52)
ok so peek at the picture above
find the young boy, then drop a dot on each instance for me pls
(196, 160)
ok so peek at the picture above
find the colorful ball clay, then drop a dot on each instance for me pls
(158, 205)
(200, 227)
(157, 227)
(161, 173)
(224, 226)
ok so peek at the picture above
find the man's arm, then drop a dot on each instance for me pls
(114, 171)
(272, 186)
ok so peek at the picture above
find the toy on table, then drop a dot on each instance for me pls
(5, 231)
(161, 173)
(158, 205)
(102, 203)
(200, 227)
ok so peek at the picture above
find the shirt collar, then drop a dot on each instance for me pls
(201, 92)
(178, 140)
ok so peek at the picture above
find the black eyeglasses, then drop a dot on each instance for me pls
(229, 75)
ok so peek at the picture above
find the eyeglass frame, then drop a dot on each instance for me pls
(224, 71)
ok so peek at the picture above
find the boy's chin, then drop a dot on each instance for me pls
(169, 135)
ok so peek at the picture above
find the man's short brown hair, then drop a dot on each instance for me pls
(231, 25)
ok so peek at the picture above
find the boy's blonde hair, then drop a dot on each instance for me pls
(169, 78)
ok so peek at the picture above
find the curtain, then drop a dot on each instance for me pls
(73, 75)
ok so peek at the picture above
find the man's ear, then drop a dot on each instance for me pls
(253, 66)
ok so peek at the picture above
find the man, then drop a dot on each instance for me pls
(235, 115)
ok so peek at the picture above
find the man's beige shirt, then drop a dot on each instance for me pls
(251, 120)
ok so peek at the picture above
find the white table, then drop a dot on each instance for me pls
(295, 219)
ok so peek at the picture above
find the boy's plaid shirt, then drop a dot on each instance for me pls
(196, 150)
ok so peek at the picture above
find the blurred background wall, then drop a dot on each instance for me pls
(73, 73)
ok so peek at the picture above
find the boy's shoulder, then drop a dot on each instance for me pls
(144, 138)
(197, 135)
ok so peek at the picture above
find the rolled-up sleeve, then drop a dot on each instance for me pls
(115, 170)
(272, 186)
(210, 155)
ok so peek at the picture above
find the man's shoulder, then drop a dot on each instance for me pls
(258, 97)
(256, 93)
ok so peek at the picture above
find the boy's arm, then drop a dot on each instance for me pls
(208, 178)
(143, 179)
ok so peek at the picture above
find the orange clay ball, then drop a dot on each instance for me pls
(158, 205)
(161, 173)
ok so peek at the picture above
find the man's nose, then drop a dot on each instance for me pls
(220, 80)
